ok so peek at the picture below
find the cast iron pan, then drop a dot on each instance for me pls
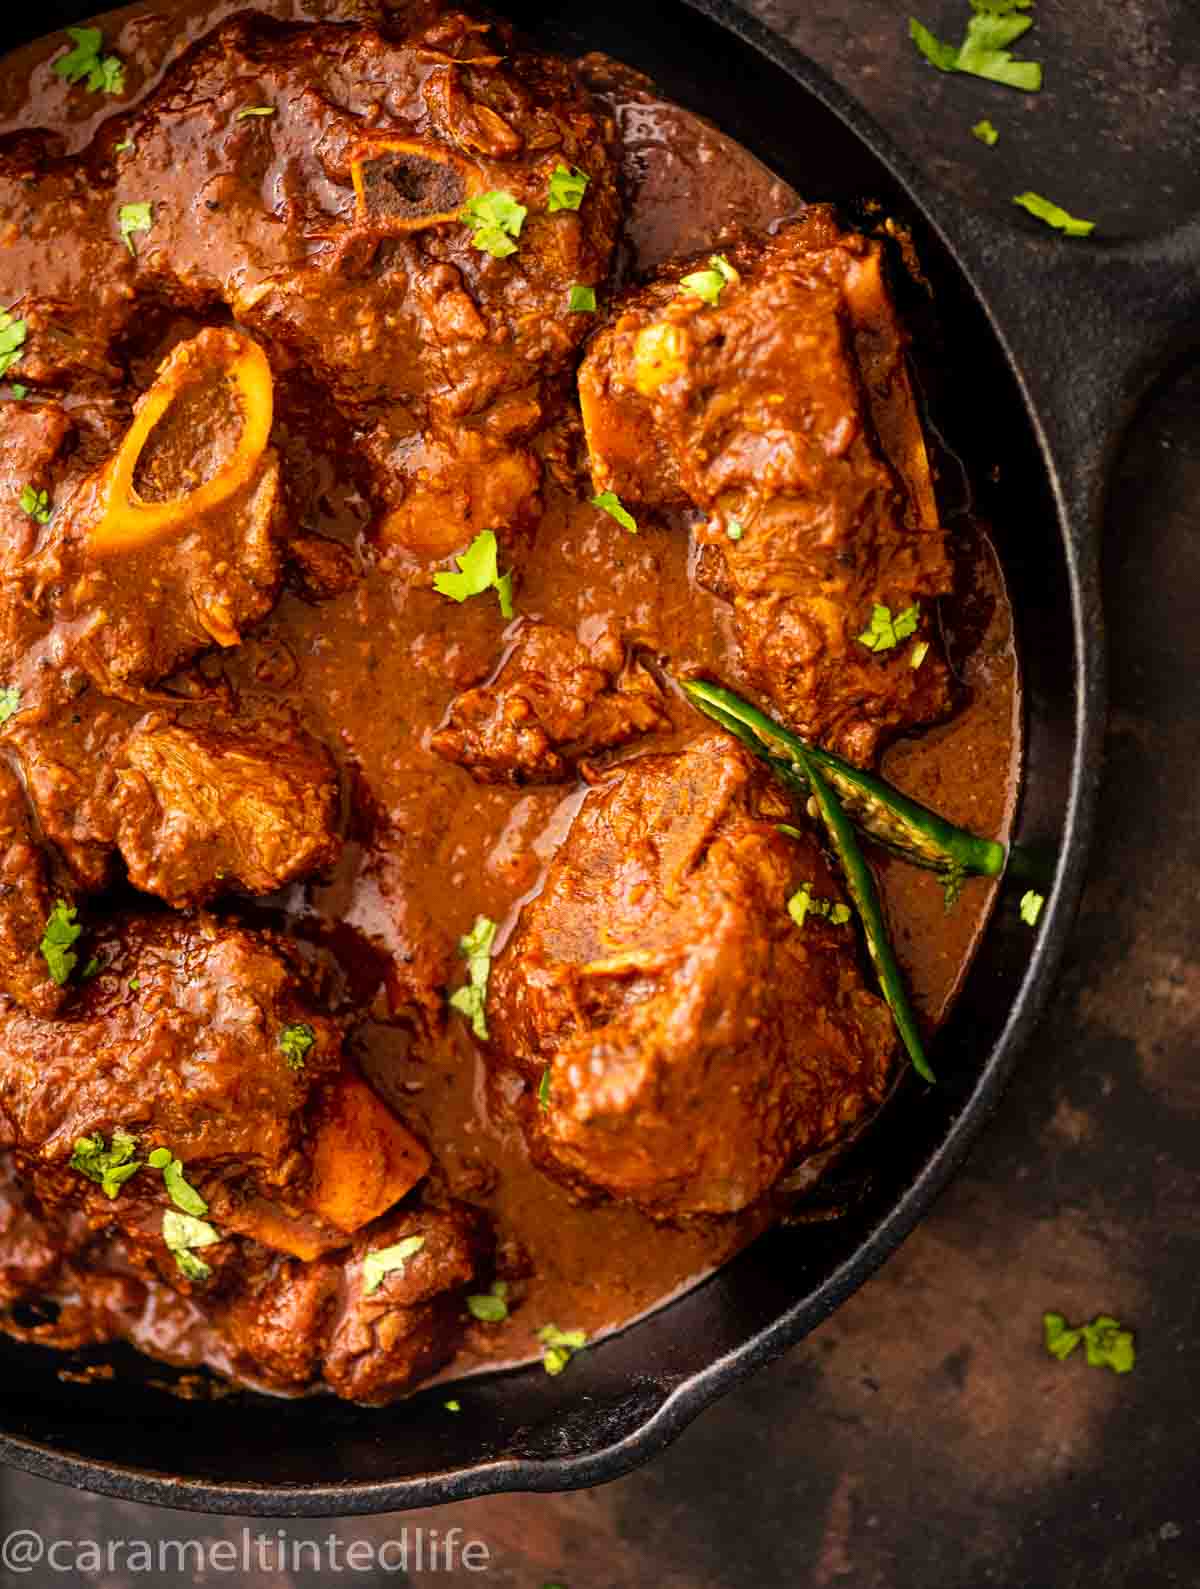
(1047, 345)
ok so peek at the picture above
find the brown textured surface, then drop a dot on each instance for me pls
(920, 1439)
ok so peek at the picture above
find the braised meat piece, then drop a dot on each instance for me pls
(552, 704)
(173, 545)
(784, 413)
(25, 904)
(68, 755)
(368, 1334)
(33, 437)
(697, 1041)
(201, 811)
(204, 1040)
(176, 1037)
(335, 228)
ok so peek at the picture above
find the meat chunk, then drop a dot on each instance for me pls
(552, 703)
(173, 545)
(201, 811)
(178, 1038)
(697, 1041)
(785, 415)
(33, 436)
(368, 1338)
(334, 229)
(25, 903)
(205, 1040)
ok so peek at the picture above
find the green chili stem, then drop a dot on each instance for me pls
(861, 883)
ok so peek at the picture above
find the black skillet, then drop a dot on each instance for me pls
(1047, 344)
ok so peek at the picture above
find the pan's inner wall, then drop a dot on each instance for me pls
(413, 1453)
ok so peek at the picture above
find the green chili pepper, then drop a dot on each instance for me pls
(861, 883)
(887, 816)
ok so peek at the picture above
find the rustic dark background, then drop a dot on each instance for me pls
(921, 1439)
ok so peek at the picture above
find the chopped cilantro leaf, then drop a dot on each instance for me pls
(984, 50)
(19, 392)
(1106, 1344)
(12, 341)
(943, 56)
(10, 702)
(78, 62)
(735, 530)
(1054, 215)
(92, 969)
(181, 1194)
(1109, 1346)
(182, 1233)
(191, 1267)
(1031, 907)
(986, 133)
(884, 631)
(104, 75)
(582, 300)
(107, 76)
(803, 904)
(134, 218)
(296, 1041)
(559, 1346)
(388, 1260)
(135, 984)
(125, 144)
(492, 1308)
(497, 219)
(471, 1000)
(452, 1405)
(609, 502)
(1000, 8)
(184, 1230)
(110, 1167)
(544, 1091)
(36, 503)
(919, 652)
(62, 930)
(255, 110)
(709, 284)
(480, 572)
(568, 184)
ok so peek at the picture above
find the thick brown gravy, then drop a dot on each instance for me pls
(372, 673)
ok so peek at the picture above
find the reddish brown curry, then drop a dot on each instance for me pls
(263, 716)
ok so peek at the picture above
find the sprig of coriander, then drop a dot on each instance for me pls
(497, 219)
(384, 1261)
(984, 50)
(12, 341)
(710, 284)
(479, 572)
(61, 932)
(886, 631)
(1106, 1344)
(609, 502)
(134, 218)
(110, 1167)
(471, 999)
(1054, 215)
(568, 184)
(104, 74)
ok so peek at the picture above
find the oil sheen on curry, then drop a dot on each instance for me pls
(398, 975)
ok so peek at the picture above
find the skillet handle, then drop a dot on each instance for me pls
(1088, 325)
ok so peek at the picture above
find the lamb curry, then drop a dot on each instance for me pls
(398, 974)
